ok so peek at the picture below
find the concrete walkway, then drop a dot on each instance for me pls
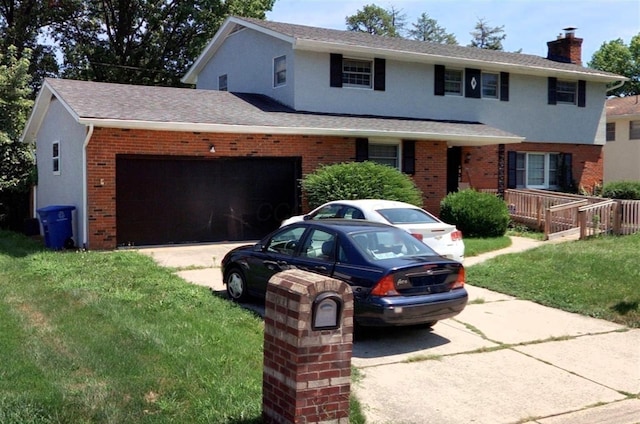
(502, 360)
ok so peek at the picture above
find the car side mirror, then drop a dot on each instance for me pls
(258, 247)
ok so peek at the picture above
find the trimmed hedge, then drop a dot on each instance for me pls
(359, 180)
(476, 214)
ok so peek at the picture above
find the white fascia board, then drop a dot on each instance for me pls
(453, 139)
(191, 77)
(40, 107)
(405, 56)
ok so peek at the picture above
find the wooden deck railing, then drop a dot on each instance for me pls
(561, 214)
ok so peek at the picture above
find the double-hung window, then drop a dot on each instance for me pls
(611, 131)
(453, 82)
(55, 156)
(566, 92)
(356, 73)
(386, 154)
(222, 82)
(279, 71)
(537, 170)
(490, 85)
(634, 130)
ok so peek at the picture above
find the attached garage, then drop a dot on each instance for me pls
(161, 200)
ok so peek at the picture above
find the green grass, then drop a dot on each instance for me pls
(475, 246)
(597, 277)
(90, 337)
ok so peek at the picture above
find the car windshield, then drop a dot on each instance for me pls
(407, 216)
(389, 243)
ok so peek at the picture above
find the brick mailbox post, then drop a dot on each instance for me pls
(308, 341)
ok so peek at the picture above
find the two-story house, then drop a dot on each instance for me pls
(622, 151)
(274, 101)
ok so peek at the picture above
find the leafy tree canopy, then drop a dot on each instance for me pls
(487, 37)
(16, 158)
(149, 42)
(375, 20)
(615, 56)
(427, 29)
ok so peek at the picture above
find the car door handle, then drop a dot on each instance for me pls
(271, 265)
(320, 268)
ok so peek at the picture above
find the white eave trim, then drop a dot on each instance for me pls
(452, 139)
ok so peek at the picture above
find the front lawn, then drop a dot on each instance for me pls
(94, 337)
(598, 277)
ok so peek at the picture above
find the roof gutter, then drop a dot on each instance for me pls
(458, 138)
(617, 85)
(85, 184)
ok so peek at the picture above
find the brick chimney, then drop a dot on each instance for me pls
(566, 48)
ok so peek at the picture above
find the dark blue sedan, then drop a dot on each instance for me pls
(396, 279)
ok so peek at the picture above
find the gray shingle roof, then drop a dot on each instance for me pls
(120, 105)
(364, 40)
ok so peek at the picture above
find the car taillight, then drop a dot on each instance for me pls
(418, 236)
(459, 283)
(385, 287)
(456, 235)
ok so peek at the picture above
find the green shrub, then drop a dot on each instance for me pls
(475, 214)
(629, 190)
(359, 180)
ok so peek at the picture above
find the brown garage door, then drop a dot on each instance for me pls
(162, 200)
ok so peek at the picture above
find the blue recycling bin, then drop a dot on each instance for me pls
(56, 223)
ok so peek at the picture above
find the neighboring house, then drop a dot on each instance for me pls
(622, 151)
(150, 165)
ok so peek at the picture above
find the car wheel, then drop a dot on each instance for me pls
(236, 285)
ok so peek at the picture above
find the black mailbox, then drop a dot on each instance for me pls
(326, 311)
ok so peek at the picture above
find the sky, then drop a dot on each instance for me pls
(528, 24)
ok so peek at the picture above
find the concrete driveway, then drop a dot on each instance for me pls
(502, 360)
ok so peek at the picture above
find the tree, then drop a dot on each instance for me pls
(427, 29)
(16, 158)
(616, 57)
(486, 37)
(374, 20)
(149, 42)
(23, 25)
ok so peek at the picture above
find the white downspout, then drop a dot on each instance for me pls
(617, 85)
(85, 201)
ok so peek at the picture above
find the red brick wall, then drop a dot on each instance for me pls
(315, 150)
(482, 170)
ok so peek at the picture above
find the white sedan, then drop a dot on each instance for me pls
(444, 238)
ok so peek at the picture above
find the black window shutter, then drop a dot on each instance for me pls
(472, 83)
(504, 86)
(362, 149)
(582, 93)
(379, 72)
(409, 157)
(438, 85)
(335, 70)
(552, 86)
(511, 169)
(567, 175)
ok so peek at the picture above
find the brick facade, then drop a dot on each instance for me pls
(482, 170)
(106, 143)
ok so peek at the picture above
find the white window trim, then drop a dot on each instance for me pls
(275, 72)
(371, 74)
(389, 142)
(452, 93)
(575, 92)
(55, 159)
(547, 160)
(497, 75)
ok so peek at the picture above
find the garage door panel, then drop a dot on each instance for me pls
(161, 200)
